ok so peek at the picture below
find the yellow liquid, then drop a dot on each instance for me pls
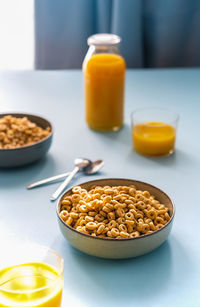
(30, 284)
(104, 76)
(154, 138)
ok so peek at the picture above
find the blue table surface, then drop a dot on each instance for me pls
(168, 276)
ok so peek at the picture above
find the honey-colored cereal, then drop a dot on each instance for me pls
(17, 132)
(118, 212)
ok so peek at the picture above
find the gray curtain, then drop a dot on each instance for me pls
(155, 33)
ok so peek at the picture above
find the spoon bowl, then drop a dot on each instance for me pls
(93, 167)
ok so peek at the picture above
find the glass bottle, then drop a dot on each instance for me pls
(104, 75)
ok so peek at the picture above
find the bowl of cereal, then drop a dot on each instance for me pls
(115, 218)
(24, 138)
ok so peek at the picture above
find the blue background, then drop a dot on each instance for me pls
(155, 33)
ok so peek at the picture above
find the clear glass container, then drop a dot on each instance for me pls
(30, 275)
(104, 77)
(154, 131)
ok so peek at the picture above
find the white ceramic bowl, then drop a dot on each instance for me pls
(118, 248)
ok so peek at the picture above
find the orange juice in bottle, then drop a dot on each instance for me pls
(104, 76)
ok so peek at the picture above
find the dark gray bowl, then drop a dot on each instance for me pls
(30, 153)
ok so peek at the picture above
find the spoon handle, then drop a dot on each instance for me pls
(64, 184)
(47, 180)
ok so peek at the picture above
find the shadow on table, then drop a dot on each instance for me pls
(28, 173)
(170, 160)
(123, 138)
(132, 281)
(125, 280)
(179, 158)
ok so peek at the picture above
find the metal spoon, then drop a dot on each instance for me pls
(92, 168)
(80, 163)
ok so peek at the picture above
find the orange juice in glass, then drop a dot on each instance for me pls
(104, 76)
(154, 131)
(32, 278)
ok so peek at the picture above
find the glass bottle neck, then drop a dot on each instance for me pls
(104, 49)
(113, 49)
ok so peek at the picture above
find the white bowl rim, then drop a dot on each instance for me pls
(114, 239)
(26, 115)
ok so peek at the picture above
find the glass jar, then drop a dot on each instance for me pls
(104, 75)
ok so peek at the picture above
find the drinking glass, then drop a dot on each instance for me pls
(31, 276)
(154, 131)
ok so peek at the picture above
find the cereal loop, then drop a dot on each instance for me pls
(91, 226)
(64, 214)
(76, 189)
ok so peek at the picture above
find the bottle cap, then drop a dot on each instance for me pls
(103, 39)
